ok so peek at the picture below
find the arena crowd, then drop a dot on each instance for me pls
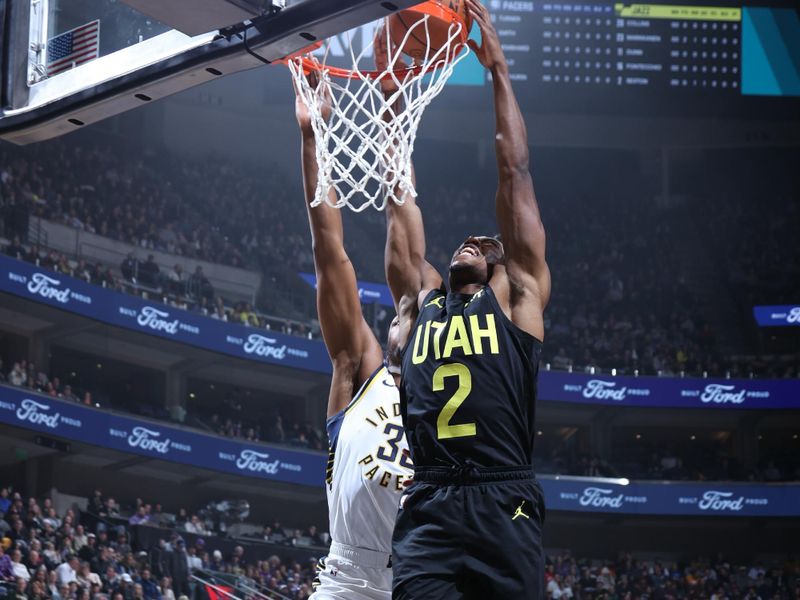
(628, 291)
(90, 555)
(47, 554)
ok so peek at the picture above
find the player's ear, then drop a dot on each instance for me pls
(502, 259)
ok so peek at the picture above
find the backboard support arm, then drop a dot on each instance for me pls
(101, 91)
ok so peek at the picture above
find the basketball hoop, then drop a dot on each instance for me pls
(364, 149)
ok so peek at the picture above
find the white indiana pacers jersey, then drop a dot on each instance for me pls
(367, 465)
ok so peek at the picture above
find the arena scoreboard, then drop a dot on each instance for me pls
(647, 58)
(638, 45)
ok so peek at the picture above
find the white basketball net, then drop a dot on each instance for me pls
(364, 149)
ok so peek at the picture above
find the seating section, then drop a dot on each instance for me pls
(52, 549)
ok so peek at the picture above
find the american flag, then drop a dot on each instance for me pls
(73, 47)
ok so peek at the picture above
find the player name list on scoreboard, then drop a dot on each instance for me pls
(643, 45)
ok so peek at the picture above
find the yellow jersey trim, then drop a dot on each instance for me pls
(365, 387)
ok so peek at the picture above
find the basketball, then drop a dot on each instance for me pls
(440, 16)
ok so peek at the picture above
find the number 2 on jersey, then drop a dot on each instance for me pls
(444, 430)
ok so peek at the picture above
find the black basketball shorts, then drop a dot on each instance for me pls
(470, 533)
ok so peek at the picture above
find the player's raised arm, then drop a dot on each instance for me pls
(352, 346)
(517, 212)
(408, 274)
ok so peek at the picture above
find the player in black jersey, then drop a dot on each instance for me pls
(470, 526)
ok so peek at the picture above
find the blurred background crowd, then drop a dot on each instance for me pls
(640, 286)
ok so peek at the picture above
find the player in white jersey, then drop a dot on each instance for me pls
(368, 460)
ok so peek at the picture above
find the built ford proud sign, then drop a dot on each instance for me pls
(777, 316)
(620, 496)
(50, 288)
(670, 392)
(152, 318)
(75, 422)
(79, 423)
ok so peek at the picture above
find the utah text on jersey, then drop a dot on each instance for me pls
(462, 329)
(469, 383)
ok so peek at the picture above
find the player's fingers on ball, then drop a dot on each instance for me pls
(480, 21)
(481, 14)
(476, 8)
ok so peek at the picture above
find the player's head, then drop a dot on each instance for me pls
(393, 348)
(474, 260)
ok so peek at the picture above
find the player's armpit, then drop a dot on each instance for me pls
(527, 300)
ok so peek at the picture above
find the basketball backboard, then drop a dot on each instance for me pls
(67, 64)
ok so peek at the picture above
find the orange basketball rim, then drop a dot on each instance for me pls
(432, 9)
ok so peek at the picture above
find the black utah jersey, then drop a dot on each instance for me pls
(468, 385)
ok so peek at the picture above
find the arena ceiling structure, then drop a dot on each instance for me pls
(692, 74)
(61, 70)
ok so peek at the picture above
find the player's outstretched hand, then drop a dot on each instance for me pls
(489, 53)
(301, 110)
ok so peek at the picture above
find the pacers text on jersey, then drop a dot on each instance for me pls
(390, 452)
